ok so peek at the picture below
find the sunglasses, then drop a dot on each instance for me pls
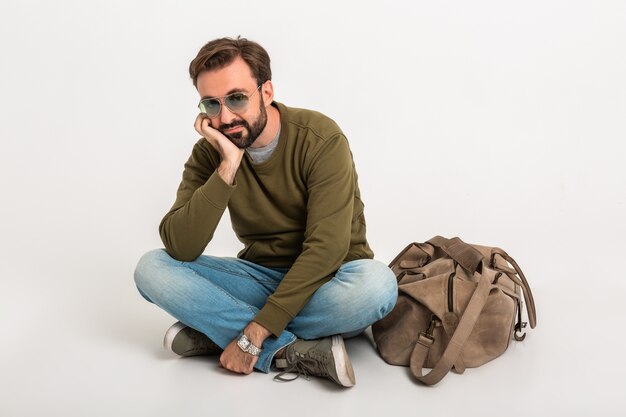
(236, 103)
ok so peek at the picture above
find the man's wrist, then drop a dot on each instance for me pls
(227, 171)
(256, 333)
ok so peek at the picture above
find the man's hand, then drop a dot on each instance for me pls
(236, 360)
(230, 154)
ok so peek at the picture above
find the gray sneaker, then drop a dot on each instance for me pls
(323, 357)
(185, 341)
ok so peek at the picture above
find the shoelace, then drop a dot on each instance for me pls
(303, 366)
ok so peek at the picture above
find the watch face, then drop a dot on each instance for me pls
(243, 343)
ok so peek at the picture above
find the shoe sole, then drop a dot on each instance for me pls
(170, 334)
(343, 366)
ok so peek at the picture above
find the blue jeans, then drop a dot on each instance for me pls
(220, 296)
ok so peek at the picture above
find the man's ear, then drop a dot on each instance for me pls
(267, 90)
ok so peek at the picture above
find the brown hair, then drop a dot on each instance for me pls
(218, 53)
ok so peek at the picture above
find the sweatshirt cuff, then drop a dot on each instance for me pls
(273, 318)
(216, 191)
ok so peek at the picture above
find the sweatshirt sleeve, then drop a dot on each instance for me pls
(331, 186)
(201, 199)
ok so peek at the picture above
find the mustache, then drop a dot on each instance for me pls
(233, 124)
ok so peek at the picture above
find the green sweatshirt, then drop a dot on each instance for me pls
(301, 209)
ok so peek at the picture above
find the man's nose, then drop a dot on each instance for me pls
(226, 116)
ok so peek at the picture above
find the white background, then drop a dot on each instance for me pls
(500, 122)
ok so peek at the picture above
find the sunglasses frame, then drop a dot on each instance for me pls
(222, 101)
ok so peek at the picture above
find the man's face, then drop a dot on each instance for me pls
(242, 128)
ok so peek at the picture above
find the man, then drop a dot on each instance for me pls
(306, 276)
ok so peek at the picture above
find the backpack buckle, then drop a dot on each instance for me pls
(426, 338)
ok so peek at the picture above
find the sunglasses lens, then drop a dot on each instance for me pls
(236, 102)
(210, 107)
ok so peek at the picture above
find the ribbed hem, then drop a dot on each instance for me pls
(273, 318)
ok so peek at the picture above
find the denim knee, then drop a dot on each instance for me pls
(362, 292)
(145, 272)
(383, 287)
(371, 289)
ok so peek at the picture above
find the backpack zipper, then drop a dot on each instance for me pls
(450, 293)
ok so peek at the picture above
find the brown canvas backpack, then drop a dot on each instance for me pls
(458, 306)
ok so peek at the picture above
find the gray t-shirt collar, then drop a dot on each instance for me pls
(262, 154)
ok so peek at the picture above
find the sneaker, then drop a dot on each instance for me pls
(323, 357)
(185, 341)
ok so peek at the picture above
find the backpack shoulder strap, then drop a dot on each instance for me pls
(456, 343)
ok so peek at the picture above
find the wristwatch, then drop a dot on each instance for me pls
(246, 345)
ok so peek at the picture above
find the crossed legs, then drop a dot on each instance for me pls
(219, 296)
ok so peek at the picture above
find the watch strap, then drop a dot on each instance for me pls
(247, 346)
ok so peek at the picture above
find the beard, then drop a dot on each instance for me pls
(253, 131)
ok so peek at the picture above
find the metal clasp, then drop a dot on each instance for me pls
(428, 334)
(520, 325)
(431, 328)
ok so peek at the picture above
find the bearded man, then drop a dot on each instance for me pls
(306, 277)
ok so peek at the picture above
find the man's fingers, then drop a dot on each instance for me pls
(245, 366)
(249, 363)
(204, 128)
(196, 123)
(201, 123)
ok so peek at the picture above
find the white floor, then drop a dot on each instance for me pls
(77, 345)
